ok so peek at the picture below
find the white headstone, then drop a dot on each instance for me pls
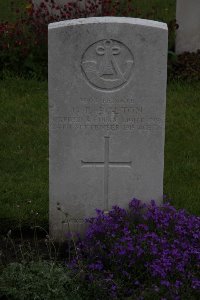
(107, 96)
(188, 20)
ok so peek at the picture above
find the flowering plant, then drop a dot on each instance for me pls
(145, 252)
(23, 44)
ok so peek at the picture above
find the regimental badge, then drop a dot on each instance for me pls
(107, 64)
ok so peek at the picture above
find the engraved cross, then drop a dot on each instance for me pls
(106, 164)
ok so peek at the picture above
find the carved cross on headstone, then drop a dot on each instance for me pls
(106, 164)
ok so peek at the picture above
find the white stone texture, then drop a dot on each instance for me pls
(107, 97)
(188, 19)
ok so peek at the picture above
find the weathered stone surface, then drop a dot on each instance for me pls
(107, 96)
(188, 20)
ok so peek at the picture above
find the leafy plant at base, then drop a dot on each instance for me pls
(36, 280)
(146, 252)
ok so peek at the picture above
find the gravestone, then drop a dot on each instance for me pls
(188, 20)
(107, 96)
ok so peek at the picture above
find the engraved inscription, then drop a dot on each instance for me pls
(107, 64)
(107, 118)
(106, 164)
(107, 100)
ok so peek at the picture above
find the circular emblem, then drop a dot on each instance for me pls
(107, 64)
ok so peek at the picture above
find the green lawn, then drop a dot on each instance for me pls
(182, 149)
(24, 150)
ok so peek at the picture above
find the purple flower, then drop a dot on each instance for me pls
(196, 283)
(144, 248)
(165, 283)
(98, 266)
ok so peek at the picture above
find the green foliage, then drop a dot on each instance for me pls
(23, 47)
(185, 66)
(23, 39)
(8, 11)
(37, 280)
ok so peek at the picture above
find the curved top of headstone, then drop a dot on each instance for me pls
(118, 20)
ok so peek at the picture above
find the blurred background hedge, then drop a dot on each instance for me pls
(23, 32)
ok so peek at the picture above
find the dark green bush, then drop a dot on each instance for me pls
(185, 66)
(36, 280)
(23, 44)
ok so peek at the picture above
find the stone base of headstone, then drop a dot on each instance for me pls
(188, 20)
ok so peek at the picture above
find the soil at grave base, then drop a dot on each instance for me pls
(13, 248)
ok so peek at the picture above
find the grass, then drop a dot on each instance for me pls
(182, 155)
(24, 150)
